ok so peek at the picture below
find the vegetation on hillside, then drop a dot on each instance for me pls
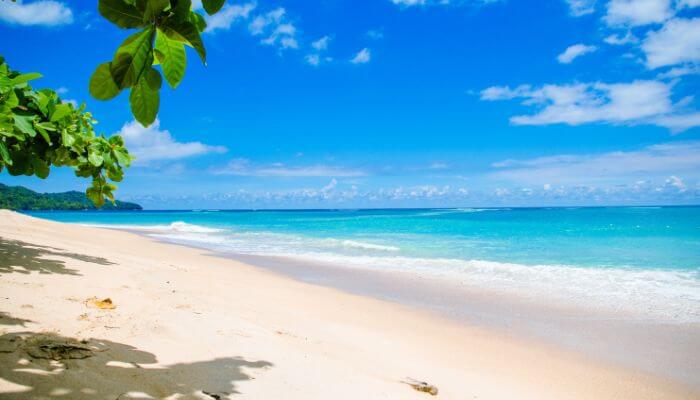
(20, 198)
(39, 130)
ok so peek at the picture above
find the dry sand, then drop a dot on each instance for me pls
(188, 322)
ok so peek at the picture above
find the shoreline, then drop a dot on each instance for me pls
(188, 308)
(619, 337)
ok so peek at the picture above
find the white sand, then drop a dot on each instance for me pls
(187, 321)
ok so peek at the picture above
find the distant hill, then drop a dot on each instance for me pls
(21, 198)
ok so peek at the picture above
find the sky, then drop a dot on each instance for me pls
(396, 103)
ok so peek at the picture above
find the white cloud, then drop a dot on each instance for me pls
(41, 12)
(638, 102)
(678, 41)
(688, 3)
(313, 59)
(276, 29)
(652, 162)
(617, 40)
(572, 52)
(409, 3)
(321, 44)
(227, 16)
(243, 167)
(362, 57)
(680, 71)
(579, 8)
(638, 12)
(677, 183)
(319, 47)
(330, 186)
(152, 144)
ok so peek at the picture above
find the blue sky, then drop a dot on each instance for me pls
(397, 103)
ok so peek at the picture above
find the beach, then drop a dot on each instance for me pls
(189, 323)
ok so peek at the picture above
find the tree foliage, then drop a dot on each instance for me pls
(39, 130)
(165, 28)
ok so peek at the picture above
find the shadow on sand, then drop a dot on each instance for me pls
(53, 366)
(24, 258)
(8, 320)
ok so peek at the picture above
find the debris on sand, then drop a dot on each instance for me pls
(216, 396)
(421, 386)
(54, 348)
(104, 304)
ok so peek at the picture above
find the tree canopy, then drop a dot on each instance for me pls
(39, 130)
(165, 27)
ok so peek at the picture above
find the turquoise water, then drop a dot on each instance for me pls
(645, 259)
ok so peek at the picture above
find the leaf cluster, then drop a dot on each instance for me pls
(165, 27)
(39, 130)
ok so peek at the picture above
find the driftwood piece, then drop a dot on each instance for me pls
(421, 386)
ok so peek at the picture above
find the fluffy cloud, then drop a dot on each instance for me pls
(638, 102)
(243, 167)
(319, 46)
(688, 3)
(579, 8)
(275, 28)
(652, 162)
(678, 41)
(638, 12)
(409, 3)
(228, 15)
(572, 52)
(618, 40)
(362, 57)
(153, 144)
(42, 12)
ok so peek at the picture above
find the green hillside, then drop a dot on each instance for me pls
(21, 198)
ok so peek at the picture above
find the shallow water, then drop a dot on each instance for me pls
(643, 262)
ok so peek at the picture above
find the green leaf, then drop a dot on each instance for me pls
(132, 58)
(24, 78)
(187, 33)
(145, 97)
(102, 85)
(213, 6)
(198, 21)
(123, 158)
(95, 158)
(66, 138)
(25, 124)
(115, 174)
(4, 153)
(154, 8)
(94, 194)
(61, 111)
(121, 13)
(181, 9)
(44, 134)
(12, 99)
(41, 168)
(173, 60)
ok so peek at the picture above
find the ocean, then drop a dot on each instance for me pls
(643, 262)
